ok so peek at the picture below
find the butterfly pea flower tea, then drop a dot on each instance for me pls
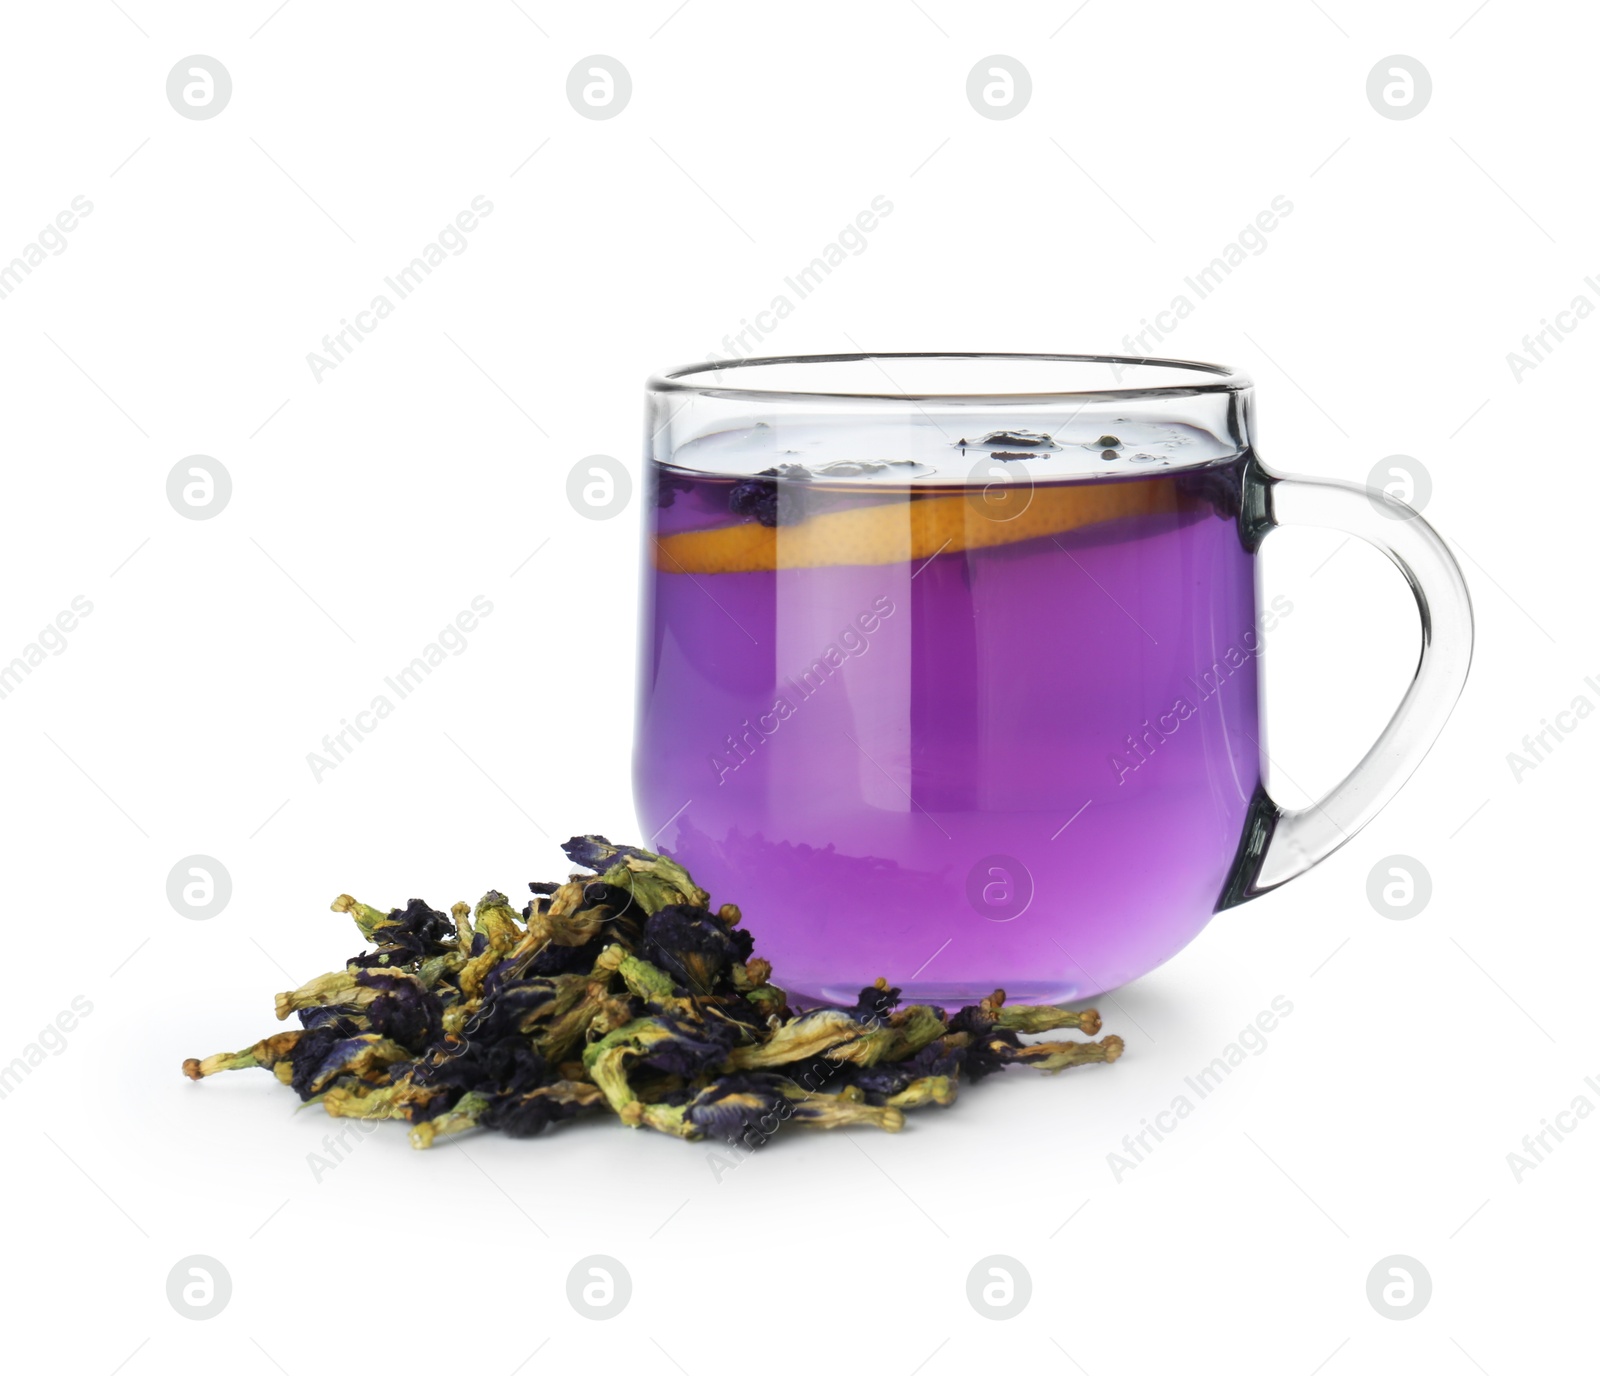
(950, 662)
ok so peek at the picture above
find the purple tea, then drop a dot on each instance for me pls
(975, 759)
(957, 684)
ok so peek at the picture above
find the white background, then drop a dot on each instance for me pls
(370, 507)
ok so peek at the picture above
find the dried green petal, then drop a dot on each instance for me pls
(495, 920)
(367, 919)
(265, 1054)
(646, 981)
(905, 1034)
(337, 986)
(930, 1089)
(667, 1118)
(1023, 1017)
(750, 976)
(367, 1057)
(367, 1101)
(461, 915)
(837, 1111)
(596, 1012)
(656, 882)
(813, 1034)
(462, 1118)
(1053, 1056)
(769, 1000)
(607, 1061)
(437, 968)
(476, 970)
(563, 921)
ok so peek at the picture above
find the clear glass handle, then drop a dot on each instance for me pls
(1280, 844)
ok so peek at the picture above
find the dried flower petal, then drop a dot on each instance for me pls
(693, 946)
(622, 990)
(266, 1053)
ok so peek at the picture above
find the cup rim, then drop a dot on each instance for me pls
(1209, 378)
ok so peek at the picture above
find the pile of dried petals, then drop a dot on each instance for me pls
(624, 991)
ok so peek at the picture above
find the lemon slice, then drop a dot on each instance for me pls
(899, 531)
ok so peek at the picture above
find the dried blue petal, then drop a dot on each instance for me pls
(598, 854)
(405, 1012)
(694, 946)
(976, 1018)
(1221, 487)
(505, 1068)
(775, 497)
(736, 1104)
(528, 1115)
(598, 893)
(345, 1018)
(875, 1003)
(319, 1058)
(880, 1081)
(689, 1050)
(987, 1054)
(511, 1004)
(668, 486)
(412, 933)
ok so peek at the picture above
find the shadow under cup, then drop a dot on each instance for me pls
(949, 666)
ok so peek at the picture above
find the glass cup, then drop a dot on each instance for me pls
(950, 663)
